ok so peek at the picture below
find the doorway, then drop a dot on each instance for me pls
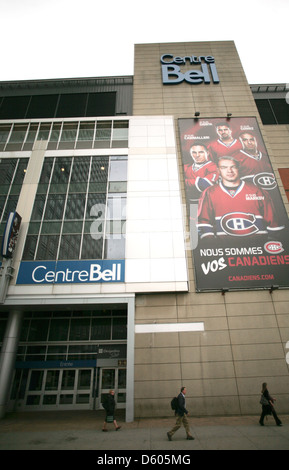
(113, 378)
(59, 389)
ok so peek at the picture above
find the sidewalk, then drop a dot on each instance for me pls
(82, 430)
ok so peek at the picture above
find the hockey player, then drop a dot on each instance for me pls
(226, 144)
(235, 207)
(252, 161)
(201, 173)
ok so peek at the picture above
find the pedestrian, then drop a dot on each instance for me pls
(267, 403)
(109, 406)
(181, 414)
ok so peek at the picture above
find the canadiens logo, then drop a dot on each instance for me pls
(239, 224)
(273, 247)
(265, 180)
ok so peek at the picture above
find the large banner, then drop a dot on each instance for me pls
(238, 223)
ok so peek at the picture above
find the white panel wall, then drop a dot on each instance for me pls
(155, 249)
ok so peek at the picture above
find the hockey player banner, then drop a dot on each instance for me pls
(238, 222)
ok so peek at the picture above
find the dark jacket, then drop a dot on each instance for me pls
(181, 410)
(109, 404)
(267, 409)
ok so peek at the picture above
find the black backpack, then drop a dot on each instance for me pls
(174, 404)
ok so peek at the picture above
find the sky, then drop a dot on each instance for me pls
(45, 39)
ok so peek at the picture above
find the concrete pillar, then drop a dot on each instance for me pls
(130, 361)
(8, 357)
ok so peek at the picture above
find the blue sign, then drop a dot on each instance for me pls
(71, 272)
(65, 364)
(10, 235)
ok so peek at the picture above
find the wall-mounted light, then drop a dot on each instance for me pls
(229, 115)
(197, 114)
(224, 291)
(273, 288)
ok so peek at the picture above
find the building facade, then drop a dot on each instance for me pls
(109, 285)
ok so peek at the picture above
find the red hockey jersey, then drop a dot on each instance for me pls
(242, 211)
(201, 176)
(219, 149)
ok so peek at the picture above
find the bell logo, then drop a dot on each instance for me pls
(172, 75)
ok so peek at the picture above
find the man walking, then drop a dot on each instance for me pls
(181, 413)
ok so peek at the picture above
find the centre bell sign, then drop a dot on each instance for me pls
(172, 74)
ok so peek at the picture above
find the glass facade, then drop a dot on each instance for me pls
(64, 135)
(79, 209)
(12, 173)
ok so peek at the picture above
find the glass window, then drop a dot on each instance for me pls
(59, 329)
(19, 176)
(30, 138)
(46, 171)
(121, 378)
(108, 378)
(101, 329)
(17, 137)
(30, 247)
(119, 329)
(4, 133)
(120, 134)
(66, 399)
(42, 106)
(71, 105)
(266, 111)
(50, 228)
(7, 169)
(54, 207)
(54, 136)
(52, 378)
(47, 247)
(75, 207)
(38, 330)
(79, 329)
(116, 207)
(85, 135)
(68, 378)
(69, 247)
(72, 211)
(118, 169)
(14, 107)
(38, 207)
(36, 353)
(91, 249)
(44, 130)
(68, 135)
(60, 176)
(114, 248)
(36, 379)
(79, 174)
(49, 399)
(84, 377)
(101, 104)
(103, 134)
(83, 398)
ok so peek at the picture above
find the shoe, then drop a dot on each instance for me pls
(190, 438)
(104, 430)
(279, 424)
(118, 427)
(169, 436)
(261, 424)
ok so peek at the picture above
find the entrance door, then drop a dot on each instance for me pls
(113, 379)
(59, 389)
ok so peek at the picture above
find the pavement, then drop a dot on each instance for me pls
(82, 430)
